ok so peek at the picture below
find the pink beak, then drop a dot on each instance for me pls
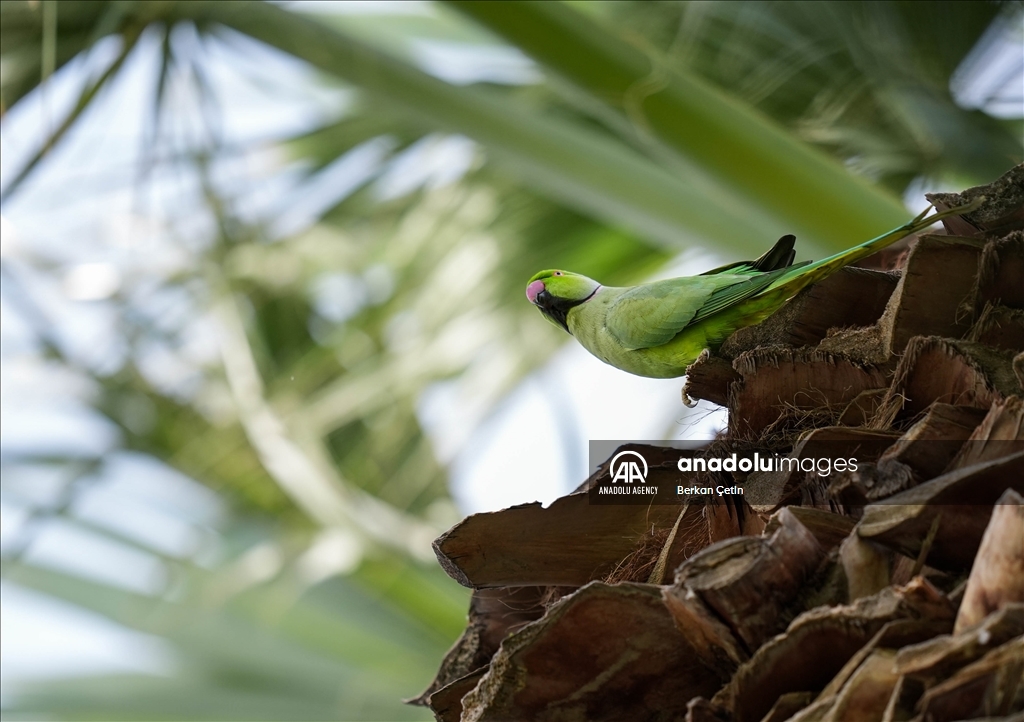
(533, 290)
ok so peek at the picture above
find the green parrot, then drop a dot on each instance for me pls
(658, 329)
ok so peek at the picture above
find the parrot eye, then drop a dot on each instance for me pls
(558, 273)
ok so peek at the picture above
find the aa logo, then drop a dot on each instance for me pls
(627, 469)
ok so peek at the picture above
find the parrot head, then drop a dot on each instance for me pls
(555, 292)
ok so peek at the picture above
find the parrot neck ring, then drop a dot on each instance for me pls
(557, 309)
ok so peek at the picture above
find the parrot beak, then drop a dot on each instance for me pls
(534, 290)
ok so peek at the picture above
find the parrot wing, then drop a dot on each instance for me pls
(728, 296)
(651, 314)
(654, 313)
(778, 256)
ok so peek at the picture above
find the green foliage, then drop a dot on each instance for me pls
(871, 82)
(346, 648)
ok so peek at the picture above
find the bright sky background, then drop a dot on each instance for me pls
(93, 240)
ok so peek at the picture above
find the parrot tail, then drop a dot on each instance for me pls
(789, 284)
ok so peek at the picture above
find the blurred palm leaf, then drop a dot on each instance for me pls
(271, 651)
(871, 82)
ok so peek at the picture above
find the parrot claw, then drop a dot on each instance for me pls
(687, 401)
